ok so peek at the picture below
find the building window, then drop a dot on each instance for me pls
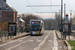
(0, 8)
(4, 13)
(3, 8)
(10, 17)
(4, 18)
(5, 0)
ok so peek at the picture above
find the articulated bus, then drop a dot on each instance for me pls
(37, 27)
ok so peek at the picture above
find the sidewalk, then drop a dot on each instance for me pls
(5, 38)
(68, 46)
(71, 37)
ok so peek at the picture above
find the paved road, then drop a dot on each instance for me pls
(53, 43)
(32, 42)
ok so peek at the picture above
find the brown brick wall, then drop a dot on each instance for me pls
(8, 16)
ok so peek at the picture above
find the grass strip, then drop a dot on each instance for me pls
(72, 43)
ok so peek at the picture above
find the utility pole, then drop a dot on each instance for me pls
(64, 34)
(70, 24)
(61, 17)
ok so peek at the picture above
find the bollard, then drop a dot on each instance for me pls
(11, 34)
(8, 36)
(5, 36)
(1, 37)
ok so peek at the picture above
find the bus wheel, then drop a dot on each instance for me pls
(43, 33)
(31, 35)
(40, 34)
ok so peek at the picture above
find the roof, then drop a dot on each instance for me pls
(37, 20)
(11, 7)
(5, 6)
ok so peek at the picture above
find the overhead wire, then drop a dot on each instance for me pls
(30, 4)
(39, 1)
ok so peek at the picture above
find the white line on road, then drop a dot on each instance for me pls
(42, 43)
(19, 44)
(30, 40)
(55, 42)
(12, 41)
(39, 40)
(50, 41)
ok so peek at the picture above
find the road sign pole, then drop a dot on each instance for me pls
(18, 24)
(18, 27)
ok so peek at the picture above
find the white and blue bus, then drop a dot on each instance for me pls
(37, 27)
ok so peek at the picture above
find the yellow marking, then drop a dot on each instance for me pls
(37, 32)
(42, 25)
(29, 25)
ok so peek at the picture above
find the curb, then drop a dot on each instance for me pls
(15, 37)
(67, 44)
(57, 35)
(19, 36)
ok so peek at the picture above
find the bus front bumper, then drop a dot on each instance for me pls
(35, 32)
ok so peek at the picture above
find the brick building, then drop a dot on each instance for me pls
(7, 12)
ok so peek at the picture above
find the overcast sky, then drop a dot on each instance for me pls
(20, 5)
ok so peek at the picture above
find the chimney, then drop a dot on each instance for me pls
(4, 0)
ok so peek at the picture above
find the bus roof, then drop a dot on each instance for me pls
(37, 20)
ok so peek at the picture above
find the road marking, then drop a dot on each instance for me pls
(11, 42)
(35, 48)
(42, 43)
(18, 44)
(55, 42)
(39, 40)
(49, 40)
(30, 40)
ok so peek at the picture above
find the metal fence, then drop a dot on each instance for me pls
(7, 36)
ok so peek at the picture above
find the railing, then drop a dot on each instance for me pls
(6, 36)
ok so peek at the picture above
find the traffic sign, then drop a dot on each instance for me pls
(66, 18)
(18, 18)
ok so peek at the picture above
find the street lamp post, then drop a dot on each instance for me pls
(18, 24)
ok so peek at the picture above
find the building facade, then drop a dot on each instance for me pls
(7, 12)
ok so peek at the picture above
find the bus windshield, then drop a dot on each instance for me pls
(36, 27)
